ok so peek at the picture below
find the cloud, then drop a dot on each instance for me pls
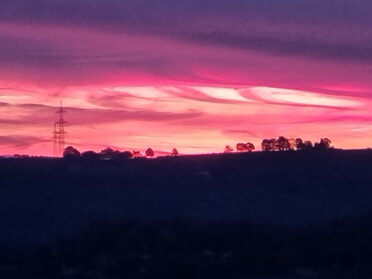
(36, 115)
(322, 29)
(17, 141)
(292, 97)
(97, 40)
(131, 118)
(182, 73)
(283, 45)
(146, 13)
(242, 134)
(206, 94)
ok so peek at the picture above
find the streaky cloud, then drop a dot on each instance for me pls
(321, 29)
(19, 141)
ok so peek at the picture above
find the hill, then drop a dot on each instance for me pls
(42, 199)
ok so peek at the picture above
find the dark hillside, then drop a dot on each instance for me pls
(42, 199)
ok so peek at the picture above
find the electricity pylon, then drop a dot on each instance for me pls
(59, 132)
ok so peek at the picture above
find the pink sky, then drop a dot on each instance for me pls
(197, 86)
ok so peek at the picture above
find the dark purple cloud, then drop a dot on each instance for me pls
(144, 13)
(322, 49)
(321, 28)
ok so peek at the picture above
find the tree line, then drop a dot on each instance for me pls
(282, 144)
(111, 154)
(273, 144)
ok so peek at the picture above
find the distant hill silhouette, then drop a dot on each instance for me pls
(44, 198)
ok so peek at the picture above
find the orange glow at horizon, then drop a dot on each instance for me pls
(193, 119)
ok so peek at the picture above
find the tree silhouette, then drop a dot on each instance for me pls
(149, 152)
(268, 144)
(125, 155)
(292, 144)
(307, 145)
(71, 152)
(241, 147)
(174, 152)
(250, 146)
(90, 155)
(228, 149)
(109, 154)
(299, 143)
(325, 143)
(282, 144)
(137, 154)
(247, 147)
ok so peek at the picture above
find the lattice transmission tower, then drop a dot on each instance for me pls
(59, 132)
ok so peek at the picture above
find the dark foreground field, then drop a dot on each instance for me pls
(256, 215)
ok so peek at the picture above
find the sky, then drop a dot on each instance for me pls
(192, 75)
